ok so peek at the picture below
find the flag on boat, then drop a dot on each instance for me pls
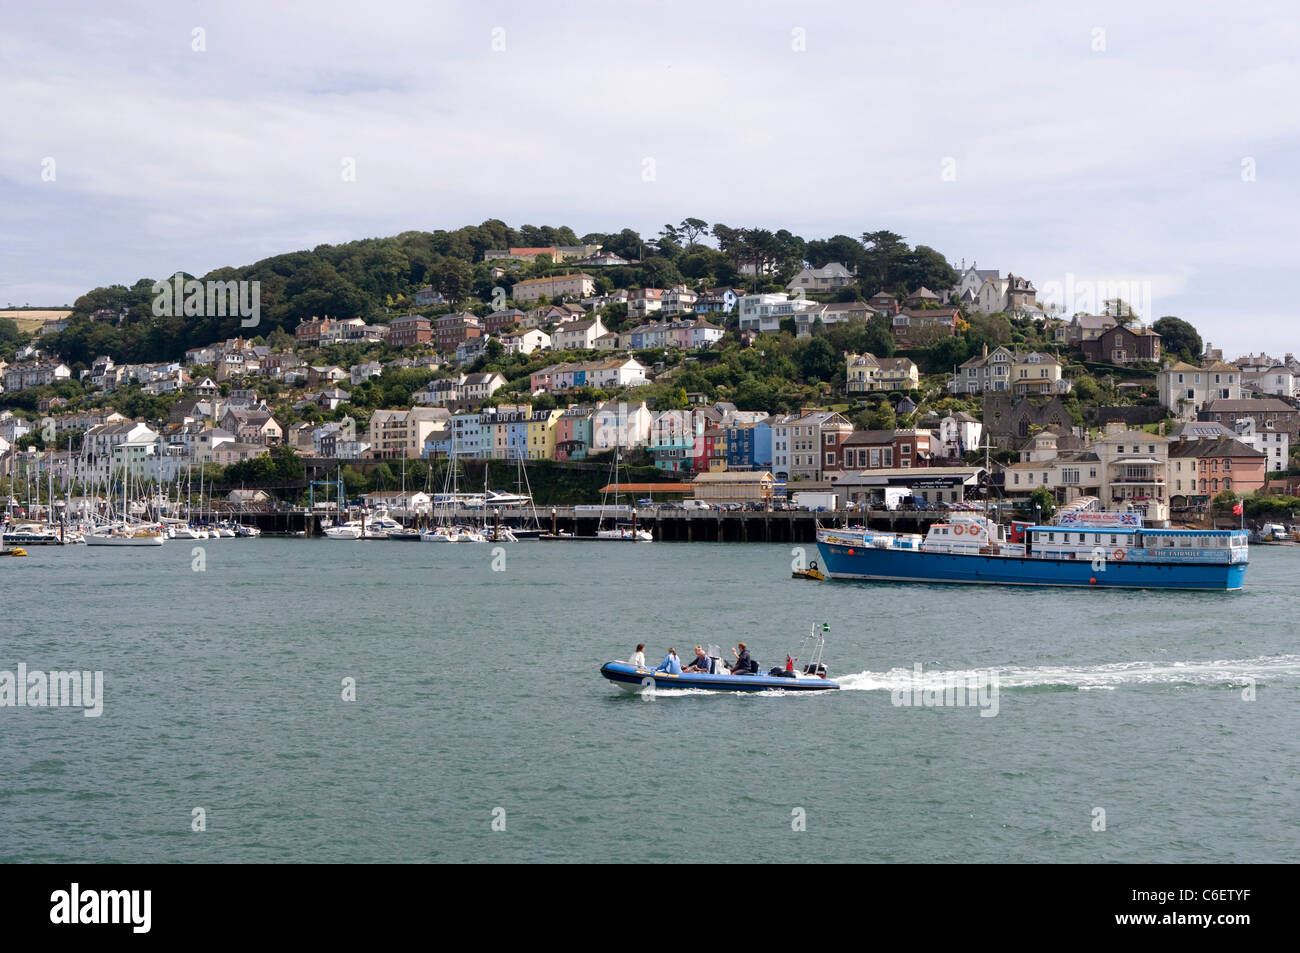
(1238, 509)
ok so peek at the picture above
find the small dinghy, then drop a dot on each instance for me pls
(810, 677)
(812, 572)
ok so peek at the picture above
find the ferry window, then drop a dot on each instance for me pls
(1051, 537)
(1114, 540)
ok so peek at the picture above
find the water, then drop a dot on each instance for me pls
(478, 699)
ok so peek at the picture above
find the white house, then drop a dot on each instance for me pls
(577, 335)
(830, 277)
(525, 341)
(1184, 388)
(764, 312)
(620, 425)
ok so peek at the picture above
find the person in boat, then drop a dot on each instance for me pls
(744, 665)
(671, 663)
(638, 657)
(701, 661)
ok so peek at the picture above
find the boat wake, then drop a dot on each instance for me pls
(1226, 673)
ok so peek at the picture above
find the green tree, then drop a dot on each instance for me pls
(1043, 498)
(818, 360)
(1179, 338)
(452, 278)
(885, 251)
(881, 416)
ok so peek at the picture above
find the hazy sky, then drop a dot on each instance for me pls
(1150, 144)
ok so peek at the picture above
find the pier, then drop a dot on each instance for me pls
(788, 526)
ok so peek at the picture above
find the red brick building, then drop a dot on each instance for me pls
(498, 321)
(409, 331)
(1119, 345)
(886, 450)
(452, 329)
(1206, 468)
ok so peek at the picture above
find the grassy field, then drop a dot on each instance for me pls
(29, 321)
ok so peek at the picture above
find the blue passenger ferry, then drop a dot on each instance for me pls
(1081, 547)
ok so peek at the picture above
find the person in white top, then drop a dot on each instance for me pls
(638, 657)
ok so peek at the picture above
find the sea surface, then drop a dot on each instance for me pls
(1129, 725)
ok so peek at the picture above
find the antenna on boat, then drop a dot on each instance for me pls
(988, 476)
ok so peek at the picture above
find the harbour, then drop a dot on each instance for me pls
(478, 688)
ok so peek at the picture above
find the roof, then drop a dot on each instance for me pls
(1135, 435)
(1199, 429)
(868, 438)
(895, 363)
(1247, 405)
(1222, 447)
(650, 488)
(752, 476)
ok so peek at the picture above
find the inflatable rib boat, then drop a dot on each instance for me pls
(811, 677)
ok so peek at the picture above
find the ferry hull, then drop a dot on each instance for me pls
(895, 565)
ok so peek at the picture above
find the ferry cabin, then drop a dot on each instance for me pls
(976, 536)
(1139, 544)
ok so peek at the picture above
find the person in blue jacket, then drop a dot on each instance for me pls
(671, 663)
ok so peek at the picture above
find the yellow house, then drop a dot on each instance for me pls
(541, 434)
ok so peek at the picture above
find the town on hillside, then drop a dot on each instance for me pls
(862, 369)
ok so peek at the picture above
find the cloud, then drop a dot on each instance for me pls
(1124, 160)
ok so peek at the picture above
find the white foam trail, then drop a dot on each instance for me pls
(1110, 676)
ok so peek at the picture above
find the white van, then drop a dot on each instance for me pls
(695, 505)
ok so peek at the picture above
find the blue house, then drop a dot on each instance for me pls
(749, 446)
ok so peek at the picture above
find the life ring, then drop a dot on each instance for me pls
(958, 529)
(1119, 555)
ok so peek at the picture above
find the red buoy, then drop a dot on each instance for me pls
(1092, 581)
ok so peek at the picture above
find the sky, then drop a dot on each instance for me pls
(1147, 148)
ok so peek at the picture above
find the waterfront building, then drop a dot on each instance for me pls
(1202, 469)
(620, 424)
(541, 434)
(1134, 472)
(394, 434)
(932, 484)
(674, 435)
(573, 433)
(735, 487)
